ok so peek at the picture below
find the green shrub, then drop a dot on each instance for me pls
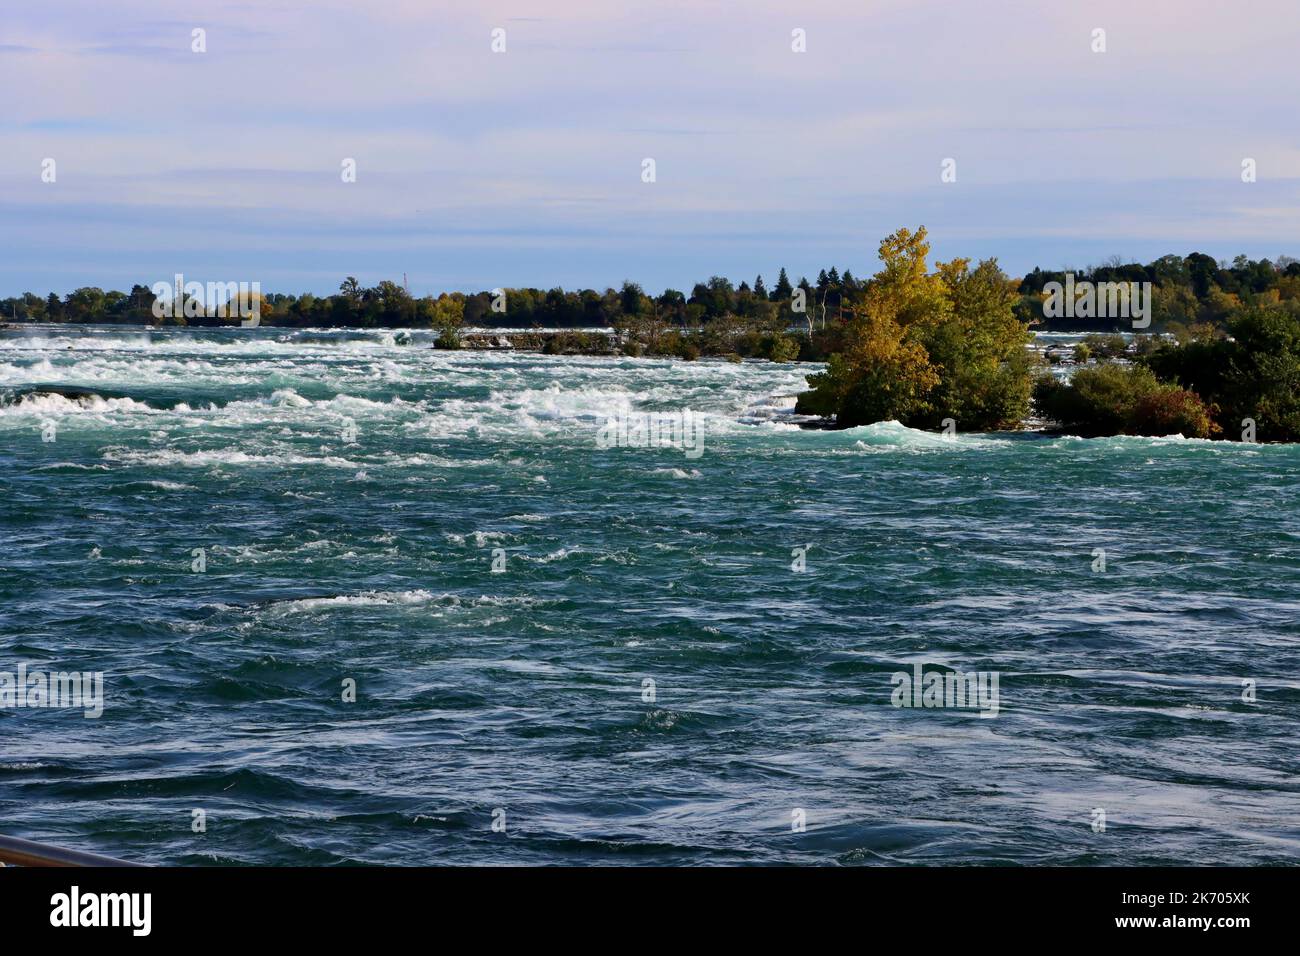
(1170, 410)
(1096, 401)
(1105, 346)
(1254, 374)
(1114, 399)
(1146, 344)
(783, 348)
(686, 349)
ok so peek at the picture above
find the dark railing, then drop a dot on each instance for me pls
(15, 852)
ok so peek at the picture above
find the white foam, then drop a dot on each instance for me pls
(267, 386)
(396, 599)
(895, 436)
(478, 538)
(59, 406)
(168, 458)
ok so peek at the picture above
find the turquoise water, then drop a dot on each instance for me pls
(522, 693)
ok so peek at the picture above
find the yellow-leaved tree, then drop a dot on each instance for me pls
(921, 346)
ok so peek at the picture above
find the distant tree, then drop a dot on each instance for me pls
(84, 305)
(716, 297)
(448, 317)
(1202, 270)
(810, 300)
(672, 306)
(34, 305)
(783, 289)
(389, 291)
(630, 298)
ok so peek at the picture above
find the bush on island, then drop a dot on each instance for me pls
(1254, 374)
(1114, 399)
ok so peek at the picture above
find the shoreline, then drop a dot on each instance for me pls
(586, 340)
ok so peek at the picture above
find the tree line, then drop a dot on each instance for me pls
(1187, 291)
(388, 304)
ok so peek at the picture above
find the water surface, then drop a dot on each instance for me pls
(523, 691)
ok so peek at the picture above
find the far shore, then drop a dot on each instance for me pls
(588, 341)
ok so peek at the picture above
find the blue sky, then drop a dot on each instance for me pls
(478, 169)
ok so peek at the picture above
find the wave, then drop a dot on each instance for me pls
(417, 596)
(162, 485)
(893, 435)
(60, 401)
(69, 466)
(1135, 442)
(480, 538)
(219, 456)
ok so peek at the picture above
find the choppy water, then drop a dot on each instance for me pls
(523, 690)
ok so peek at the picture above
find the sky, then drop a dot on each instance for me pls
(478, 169)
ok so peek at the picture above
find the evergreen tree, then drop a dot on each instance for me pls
(783, 288)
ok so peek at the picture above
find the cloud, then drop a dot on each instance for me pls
(764, 156)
